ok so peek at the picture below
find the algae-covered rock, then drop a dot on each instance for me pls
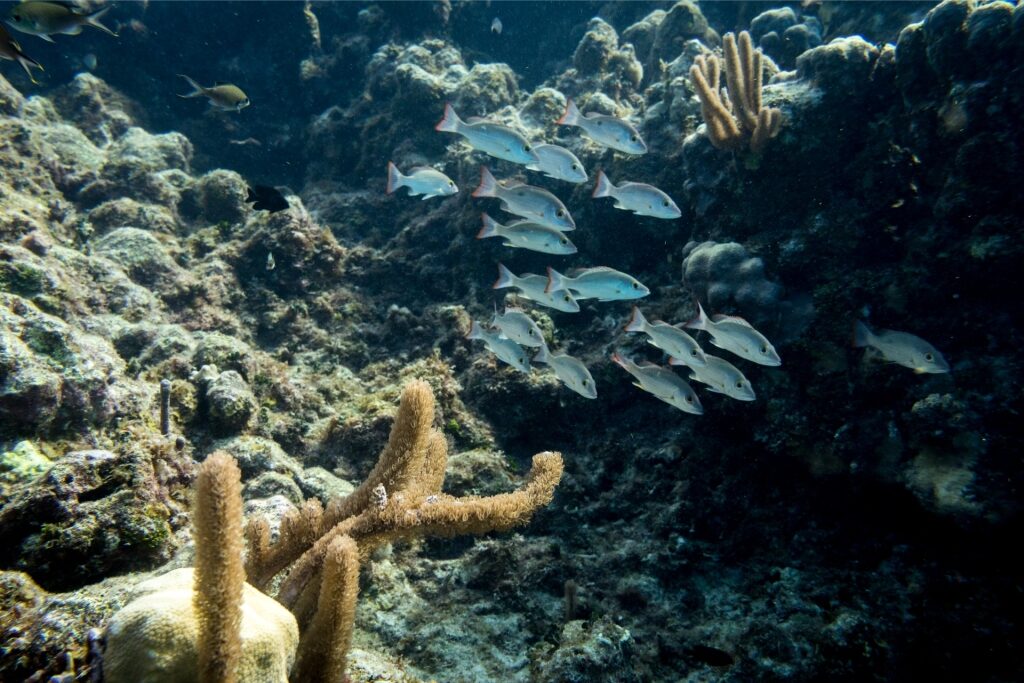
(255, 455)
(589, 651)
(91, 514)
(11, 100)
(270, 484)
(22, 462)
(125, 212)
(219, 196)
(229, 402)
(154, 638)
(141, 254)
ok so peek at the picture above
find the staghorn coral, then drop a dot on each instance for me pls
(734, 116)
(400, 499)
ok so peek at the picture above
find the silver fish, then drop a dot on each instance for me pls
(640, 198)
(605, 130)
(44, 19)
(422, 180)
(10, 49)
(668, 338)
(526, 234)
(518, 327)
(492, 138)
(505, 349)
(271, 263)
(663, 384)
(569, 370)
(558, 163)
(601, 283)
(221, 95)
(533, 287)
(527, 201)
(496, 26)
(901, 348)
(721, 376)
(737, 336)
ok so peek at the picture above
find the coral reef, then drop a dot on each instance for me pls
(848, 524)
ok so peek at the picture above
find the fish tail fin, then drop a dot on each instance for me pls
(604, 187)
(395, 178)
(94, 20)
(556, 281)
(861, 334)
(488, 185)
(489, 227)
(571, 116)
(27, 62)
(637, 322)
(620, 361)
(543, 355)
(450, 122)
(505, 278)
(700, 322)
(197, 90)
(475, 331)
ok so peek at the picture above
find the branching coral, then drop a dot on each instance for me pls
(400, 499)
(735, 115)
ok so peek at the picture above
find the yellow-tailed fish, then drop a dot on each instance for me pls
(662, 383)
(486, 136)
(221, 95)
(640, 198)
(525, 234)
(901, 348)
(571, 371)
(44, 19)
(526, 201)
(422, 180)
(10, 49)
(605, 130)
(737, 336)
(518, 327)
(533, 287)
(505, 349)
(601, 283)
(668, 338)
(721, 376)
(558, 163)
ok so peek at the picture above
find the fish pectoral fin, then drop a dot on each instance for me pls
(620, 205)
(715, 390)
(46, 37)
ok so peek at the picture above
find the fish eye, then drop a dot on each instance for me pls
(665, 203)
(633, 138)
(530, 332)
(560, 213)
(565, 241)
(739, 385)
(636, 285)
(764, 349)
(575, 167)
(567, 298)
(689, 399)
(586, 382)
(929, 357)
(694, 353)
(451, 184)
(526, 148)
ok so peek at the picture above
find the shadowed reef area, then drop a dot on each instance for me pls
(831, 162)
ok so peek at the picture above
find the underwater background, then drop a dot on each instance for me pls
(858, 520)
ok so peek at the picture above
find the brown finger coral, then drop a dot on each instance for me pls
(734, 116)
(400, 499)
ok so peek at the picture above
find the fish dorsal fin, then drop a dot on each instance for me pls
(720, 318)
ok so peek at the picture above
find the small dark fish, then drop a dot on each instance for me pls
(265, 198)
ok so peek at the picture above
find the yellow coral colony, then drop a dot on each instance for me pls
(734, 116)
(400, 499)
